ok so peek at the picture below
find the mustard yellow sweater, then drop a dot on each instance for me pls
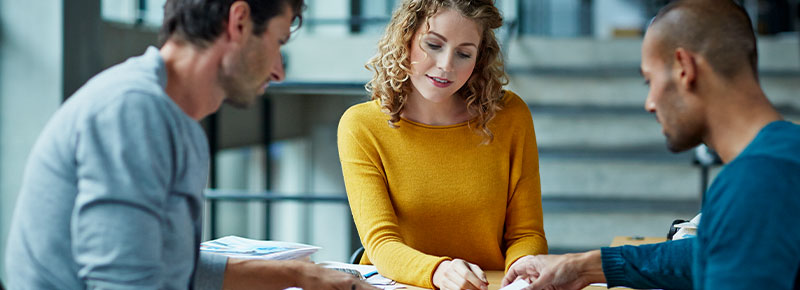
(424, 194)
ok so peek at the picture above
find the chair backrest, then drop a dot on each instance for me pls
(355, 258)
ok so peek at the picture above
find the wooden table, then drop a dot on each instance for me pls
(621, 241)
(496, 277)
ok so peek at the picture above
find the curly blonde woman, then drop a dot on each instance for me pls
(441, 166)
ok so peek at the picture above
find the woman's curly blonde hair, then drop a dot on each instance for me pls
(391, 66)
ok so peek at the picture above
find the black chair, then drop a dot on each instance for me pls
(1, 285)
(673, 229)
(355, 258)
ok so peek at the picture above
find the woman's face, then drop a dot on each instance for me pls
(442, 58)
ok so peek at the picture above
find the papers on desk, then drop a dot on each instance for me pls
(687, 229)
(517, 285)
(521, 284)
(606, 286)
(368, 271)
(241, 248)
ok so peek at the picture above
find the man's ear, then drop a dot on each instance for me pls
(239, 25)
(685, 67)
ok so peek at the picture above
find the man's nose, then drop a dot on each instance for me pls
(278, 73)
(649, 105)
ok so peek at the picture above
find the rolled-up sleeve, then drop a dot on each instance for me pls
(210, 272)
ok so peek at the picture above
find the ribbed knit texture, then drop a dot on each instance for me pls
(613, 265)
(748, 237)
(423, 194)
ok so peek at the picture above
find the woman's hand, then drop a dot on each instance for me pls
(459, 274)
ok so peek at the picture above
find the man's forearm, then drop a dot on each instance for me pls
(262, 274)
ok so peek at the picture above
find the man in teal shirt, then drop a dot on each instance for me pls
(699, 60)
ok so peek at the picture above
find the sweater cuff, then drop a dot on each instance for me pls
(210, 271)
(613, 265)
(433, 271)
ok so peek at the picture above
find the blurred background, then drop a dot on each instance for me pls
(275, 174)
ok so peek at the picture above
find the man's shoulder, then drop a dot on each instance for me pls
(767, 169)
(757, 180)
(778, 140)
(118, 90)
(755, 167)
(142, 75)
(773, 154)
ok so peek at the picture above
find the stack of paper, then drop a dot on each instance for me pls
(687, 229)
(241, 248)
(368, 271)
(517, 285)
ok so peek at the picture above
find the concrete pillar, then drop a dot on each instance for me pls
(31, 88)
(48, 48)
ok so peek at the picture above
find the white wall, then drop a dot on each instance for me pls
(31, 86)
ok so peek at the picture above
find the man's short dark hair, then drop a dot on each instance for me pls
(200, 22)
(719, 30)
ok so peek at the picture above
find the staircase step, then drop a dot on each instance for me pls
(620, 179)
(571, 232)
(624, 89)
(775, 53)
(603, 129)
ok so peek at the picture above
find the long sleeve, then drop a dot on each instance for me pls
(524, 234)
(665, 265)
(747, 238)
(375, 217)
(423, 194)
(112, 195)
(124, 170)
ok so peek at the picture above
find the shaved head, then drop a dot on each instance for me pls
(718, 30)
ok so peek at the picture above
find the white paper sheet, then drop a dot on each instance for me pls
(375, 280)
(517, 285)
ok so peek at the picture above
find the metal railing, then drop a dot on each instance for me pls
(214, 196)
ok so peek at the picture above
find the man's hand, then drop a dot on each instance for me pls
(278, 275)
(561, 272)
(459, 274)
(316, 277)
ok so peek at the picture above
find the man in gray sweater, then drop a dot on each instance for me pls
(112, 192)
